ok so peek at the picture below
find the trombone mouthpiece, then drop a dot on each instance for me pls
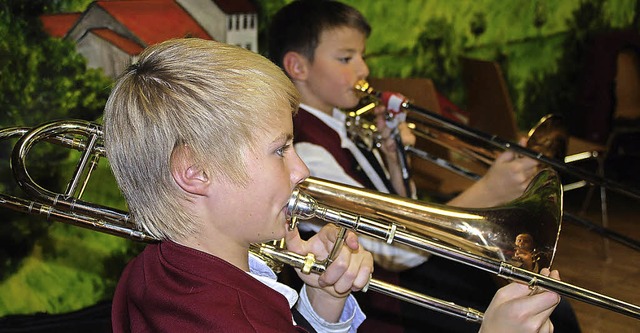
(301, 205)
(363, 86)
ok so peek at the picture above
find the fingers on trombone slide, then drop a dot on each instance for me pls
(366, 286)
(534, 289)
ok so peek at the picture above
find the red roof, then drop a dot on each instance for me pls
(236, 6)
(154, 21)
(57, 25)
(121, 42)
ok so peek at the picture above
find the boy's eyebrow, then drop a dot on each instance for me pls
(283, 137)
(348, 49)
(351, 50)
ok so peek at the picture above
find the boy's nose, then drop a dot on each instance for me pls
(363, 69)
(299, 170)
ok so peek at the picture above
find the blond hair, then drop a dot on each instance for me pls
(209, 97)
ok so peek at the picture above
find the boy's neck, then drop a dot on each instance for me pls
(232, 253)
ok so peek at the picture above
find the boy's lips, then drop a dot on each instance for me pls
(285, 208)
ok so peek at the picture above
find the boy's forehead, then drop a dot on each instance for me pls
(342, 35)
(278, 129)
(280, 117)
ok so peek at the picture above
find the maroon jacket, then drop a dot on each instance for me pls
(173, 288)
(308, 128)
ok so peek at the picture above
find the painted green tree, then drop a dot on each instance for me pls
(45, 266)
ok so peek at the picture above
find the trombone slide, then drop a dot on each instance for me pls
(308, 265)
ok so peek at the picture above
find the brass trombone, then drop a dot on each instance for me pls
(546, 142)
(438, 226)
(480, 139)
(482, 238)
(87, 137)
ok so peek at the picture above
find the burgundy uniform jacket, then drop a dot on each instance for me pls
(173, 288)
(308, 128)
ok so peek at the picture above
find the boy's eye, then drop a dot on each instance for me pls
(282, 150)
(345, 60)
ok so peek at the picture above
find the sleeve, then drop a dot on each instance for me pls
(351, 318)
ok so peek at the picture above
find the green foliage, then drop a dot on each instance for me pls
(557, 91)
(68, 267)
(540, 15)
(67, 6)
(48, 81)
(436, 55)
(478, 24)
(266, 9)
(46, 266)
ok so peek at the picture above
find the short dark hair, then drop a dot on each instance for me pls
(297, 26)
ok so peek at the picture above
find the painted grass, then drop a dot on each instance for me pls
(72, 267)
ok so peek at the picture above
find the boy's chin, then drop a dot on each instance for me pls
(349, 106)
(279, 234)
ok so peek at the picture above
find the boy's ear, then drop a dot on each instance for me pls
(295, 65)
(188, 175)
(191, 178)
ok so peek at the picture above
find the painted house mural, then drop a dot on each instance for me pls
(110, 34)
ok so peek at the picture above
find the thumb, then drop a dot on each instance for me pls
(523, 141)
(507, 156)
(293, 241)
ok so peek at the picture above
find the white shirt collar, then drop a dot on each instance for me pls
(336, 122)
(259, 270)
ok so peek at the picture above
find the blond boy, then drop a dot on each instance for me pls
(199, 136)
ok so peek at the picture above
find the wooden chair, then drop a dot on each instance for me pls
(621, 146)
(488, 101)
